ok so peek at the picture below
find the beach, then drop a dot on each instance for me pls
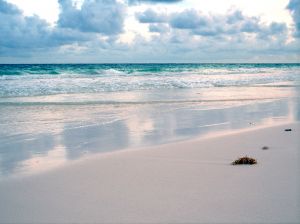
(149, 143)
(150, 111)
(186, 182)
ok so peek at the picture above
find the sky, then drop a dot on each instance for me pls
(149, 31)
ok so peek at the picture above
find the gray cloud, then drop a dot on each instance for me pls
(188, 19)
(18, 31)
(7, 8)
(82, 35)
(193, 36)
(150, 16)
(159, 28)
(179, 46)
(294, 7)
(234, 17)
(23, 35)
(212, 25)
(153, 1)
(99, 16)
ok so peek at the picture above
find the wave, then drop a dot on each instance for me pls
(39, 80)
(83, 103)
(141, 69)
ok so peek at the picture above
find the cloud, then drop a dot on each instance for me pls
(212, 25)
(153, 1)
(7, 8)
(191, 35)
(18, 31)
(24, 35)
(91, 34)
(234, 17)
(98, 16)
(188, 19)
(178, 45)
(159, 28)
(294, 7)
(21, 34)
(150, 16)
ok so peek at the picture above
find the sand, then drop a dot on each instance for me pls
(183, 182)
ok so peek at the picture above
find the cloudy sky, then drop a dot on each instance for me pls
(101, 31)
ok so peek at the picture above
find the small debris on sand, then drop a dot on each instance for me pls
(244, 161)
(288, 129)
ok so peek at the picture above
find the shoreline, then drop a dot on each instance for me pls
(210, 136)
(44, 137)
(185, 181)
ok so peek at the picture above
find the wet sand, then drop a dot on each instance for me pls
(184, 182)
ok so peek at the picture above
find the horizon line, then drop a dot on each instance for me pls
(141, 63)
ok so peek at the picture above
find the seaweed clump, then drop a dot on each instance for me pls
(244, 161)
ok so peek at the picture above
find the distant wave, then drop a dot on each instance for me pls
(42, 80)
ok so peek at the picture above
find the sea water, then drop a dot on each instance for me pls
(42, 80)
(51, 114)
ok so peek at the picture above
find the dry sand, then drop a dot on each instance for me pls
(185, 182)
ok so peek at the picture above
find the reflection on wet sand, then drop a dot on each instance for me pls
(40, 137)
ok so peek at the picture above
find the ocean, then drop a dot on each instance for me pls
(43, 80)
(52, 114)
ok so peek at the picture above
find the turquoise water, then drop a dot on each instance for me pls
(52, 114)
(41, 80)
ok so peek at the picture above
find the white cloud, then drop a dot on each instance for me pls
(99, 16)
(48, 11)
(186, 31)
